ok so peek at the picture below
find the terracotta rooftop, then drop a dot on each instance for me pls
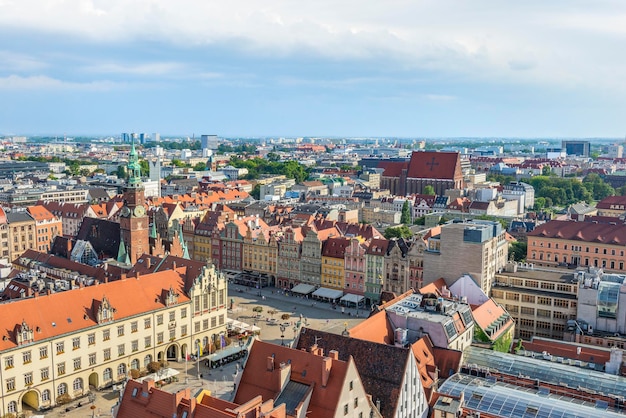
(73, 310)
(258, 379)
(435, 165)
(582, 231)
(380, 366)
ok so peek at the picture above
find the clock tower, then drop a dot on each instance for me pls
(134, 223)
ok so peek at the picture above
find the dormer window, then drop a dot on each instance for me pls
(172, 297)
(25, 334)
(105, 311)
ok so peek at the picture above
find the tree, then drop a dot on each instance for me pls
(405, 218)
(398, 232)
(429, 190)
(257, 309)
(272, 312)
(64, 399)
(153, 366)
(518, 249)
(120, 172)
(200, 166)
(145, 167)
(272, 156)
(420, 221)
(285, 316)
(256, 191)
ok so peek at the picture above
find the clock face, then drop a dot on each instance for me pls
(125, 211)
(140, 211)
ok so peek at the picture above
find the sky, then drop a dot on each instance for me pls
(392, 68)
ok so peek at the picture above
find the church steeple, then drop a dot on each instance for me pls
(133, 167)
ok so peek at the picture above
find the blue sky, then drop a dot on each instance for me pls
(329, 68)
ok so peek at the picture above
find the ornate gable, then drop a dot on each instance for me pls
(24, 334)
(103, 310)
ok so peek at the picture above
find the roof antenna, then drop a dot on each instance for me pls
(316, 338)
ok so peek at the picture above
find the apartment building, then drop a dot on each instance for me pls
(22, 230)
(374, 270)
(586, 244)
(354, 262)
(260, 248)
(288, 261)
(396, 278)
(333, 265)
(540, 301)
(47, 227)
(4, 235)
(57, 346)
(478, 248)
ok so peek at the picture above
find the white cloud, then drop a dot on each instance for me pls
(42, 82)
(561, 41)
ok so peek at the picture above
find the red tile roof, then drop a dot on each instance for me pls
(335, 247)
(72, 310)
(393, 168)
(582, 231)
(40, 213)
(435, 165)
(306, 368)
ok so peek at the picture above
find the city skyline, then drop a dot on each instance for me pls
(389, 69)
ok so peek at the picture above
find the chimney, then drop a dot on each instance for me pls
(285, 374)
(270, 363)
(174, 265)
(333, 354)
(327, 364)
(148, 262)
(137, 275)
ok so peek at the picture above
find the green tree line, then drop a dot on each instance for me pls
(258, 166)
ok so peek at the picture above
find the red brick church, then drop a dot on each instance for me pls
(442, 170)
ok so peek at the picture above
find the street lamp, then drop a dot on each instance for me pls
(282, 334)
(92, 400)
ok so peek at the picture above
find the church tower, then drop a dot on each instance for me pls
(134, 223)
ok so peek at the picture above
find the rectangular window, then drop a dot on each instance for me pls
(133, 326)
(160, 319)
(75, 343)
(135, 345)
(160, 338)
(172, 316)
(527, 311)
(183, 330)
(172, 334)
(91, 338)
(45, 373)
(10, 384)
(205, 323)
(222, 319)
(121, 349)
(92, 359)
(61, 369)
(345, 409)
(43, 352)
(77, 363)
(528, 298)
(107, 354)
(183, 313)
(356, 402)
(148, 342)
(106, 335)
(120, 331)
(196, 326)
(147, 323)
(8, 362)
(60, 347)
(26, 357)
(544, 301)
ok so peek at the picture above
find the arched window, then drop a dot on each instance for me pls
(45, 396)
(78, 384)
(134, 364)
(107, 375)
(12, 407)
(61, 389)
(121, 369)
(147, 360)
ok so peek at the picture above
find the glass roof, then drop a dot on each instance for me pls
(504, 400)
(546, 371)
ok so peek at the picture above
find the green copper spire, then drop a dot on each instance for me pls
(153, 231)
(133, 167)
(122, 255)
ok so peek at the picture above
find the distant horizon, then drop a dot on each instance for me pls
(357, 137)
